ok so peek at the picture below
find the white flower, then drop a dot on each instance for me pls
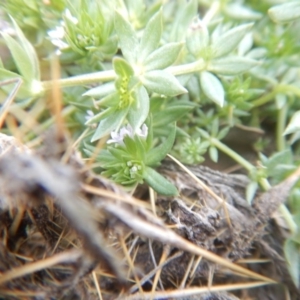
(89, 115)
(70, 17)
(56, 35)
(143, 132)
(127, 131)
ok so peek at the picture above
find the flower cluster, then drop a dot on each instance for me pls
(57, 35)
(118, 137)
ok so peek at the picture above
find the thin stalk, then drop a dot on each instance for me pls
(264, 183)
(281, 123)
(281, 88)
(110, 75)
(82, 79)
(243, 162)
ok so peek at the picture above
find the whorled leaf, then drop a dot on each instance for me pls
(212, 87)
(156, 155)
(285, 12)
(159, 183)
(127, 38)
(232, 65)
(294, 124)
(139, 111)
(228, 41)
(162, 57)
(107, 125)
(162, 82)
(151, 36)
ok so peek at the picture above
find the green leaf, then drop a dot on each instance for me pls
(6, 75)
(20, 57)
(100, 116)
(286, 12)
(127, 38)
(122, 68)
(228, 41)
(109, 124)
(160, 184)
(101, 90)
(197, 38)
(151, 37)
(284, 157)
(30, 52)
(294, 124)
(223, 132)
(183, 19)
(162, 57)
(139, 111)
(203, 133)
(156, 155)
(111, 100)
(292, 256)
(212, 87)
(239, 12)
(232, 65)
(163, 83)
(213, 153)
(251, 190)
(172, 113)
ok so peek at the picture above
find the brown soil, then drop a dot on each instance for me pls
(66, 233)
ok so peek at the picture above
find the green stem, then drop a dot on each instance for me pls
(110, 75)
(249, 167)
(281, 88)
(264, 183)
(264, 99)
(82, 79)
(281, 123)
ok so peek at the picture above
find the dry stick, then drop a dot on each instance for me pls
(195, 291)
(97, 285)
(147, 277)
(64, 257)
(154, 260)
(205, 188)
(56, 96)
(166, 252)
(164, 235)
(109, 194)
(187, 272)
(130, 262)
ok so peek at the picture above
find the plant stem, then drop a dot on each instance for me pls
(281, 88)
(249, 167)
(263, 182)
(82, 79)
(281, 123)
(110, 75)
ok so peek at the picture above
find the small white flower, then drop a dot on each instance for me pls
(143, 132)
(89, 115)
(127, 131)
(56, 35)
(70, 17)
(115, 138)
(6, 28)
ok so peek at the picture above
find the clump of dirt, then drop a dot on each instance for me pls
(66, 233)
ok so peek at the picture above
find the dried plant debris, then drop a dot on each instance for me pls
(66, 233)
